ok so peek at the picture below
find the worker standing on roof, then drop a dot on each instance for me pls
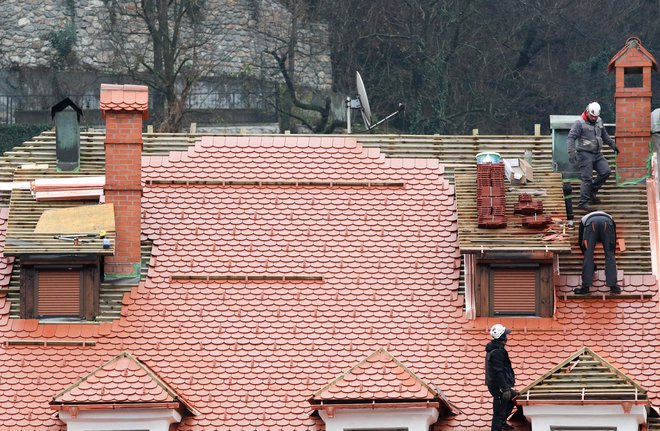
(500, 377)
(585, 145)
(595, 227)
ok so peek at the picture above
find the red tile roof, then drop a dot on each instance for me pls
(378, 377)
(281, 262)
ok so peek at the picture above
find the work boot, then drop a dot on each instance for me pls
(585, 207)
(615, 290)
(595, 200)
(507, 427)
(584, 290)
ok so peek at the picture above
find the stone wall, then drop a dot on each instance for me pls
(37, 52)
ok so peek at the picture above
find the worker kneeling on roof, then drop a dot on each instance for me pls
(595, 227)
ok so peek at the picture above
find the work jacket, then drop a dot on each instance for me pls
(588, 137)
(499, 373)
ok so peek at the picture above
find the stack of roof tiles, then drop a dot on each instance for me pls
(534, 211)
(78, 187)
(491, 202)
(528, 206)
(536, 221)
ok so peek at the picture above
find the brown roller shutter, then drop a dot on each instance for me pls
(59, 293)
(514, 290)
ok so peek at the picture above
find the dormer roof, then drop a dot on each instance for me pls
(122, 381)
(583, 377)
(378, 377)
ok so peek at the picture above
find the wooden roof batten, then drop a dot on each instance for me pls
(584, 378)
(515, 238)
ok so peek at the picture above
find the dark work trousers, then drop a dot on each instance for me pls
(590, 162)
(501, 410)
(599, 229)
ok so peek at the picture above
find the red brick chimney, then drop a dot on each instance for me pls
(124, 107)
(632, 66)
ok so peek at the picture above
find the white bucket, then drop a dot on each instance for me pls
(488, 157)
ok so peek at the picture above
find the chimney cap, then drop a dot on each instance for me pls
(632, 43)
(124, 97)
(62, 105)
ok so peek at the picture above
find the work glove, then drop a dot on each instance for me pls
(615, 149)
(572, 157)
(509, 394)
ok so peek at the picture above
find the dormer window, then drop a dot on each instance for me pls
(390, 398)
(60, 290)
(124, 394)
(505, 288)
(60, 256)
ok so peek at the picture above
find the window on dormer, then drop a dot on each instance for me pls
(59, 289)
(380, 419)
(514, 289)
(59, 292)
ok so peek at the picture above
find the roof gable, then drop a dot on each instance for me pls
(378, 377)
(584, 377)
(122, 380)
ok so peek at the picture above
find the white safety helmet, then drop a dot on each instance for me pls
(593, 109)
(499, 331)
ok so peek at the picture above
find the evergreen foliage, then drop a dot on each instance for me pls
(12, 135)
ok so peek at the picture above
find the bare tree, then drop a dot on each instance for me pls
(283, 33)
(408, 51)
(463, 64)
(168, 44)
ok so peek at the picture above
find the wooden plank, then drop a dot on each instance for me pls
(78, 219)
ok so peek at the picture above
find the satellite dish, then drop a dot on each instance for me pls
(362, 103)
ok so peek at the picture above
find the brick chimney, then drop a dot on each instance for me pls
(124, 107)
(632, 66)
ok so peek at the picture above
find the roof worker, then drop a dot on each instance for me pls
(500, 377)
(595, 227)
(585, 145)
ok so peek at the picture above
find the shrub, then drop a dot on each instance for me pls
(12, 135)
